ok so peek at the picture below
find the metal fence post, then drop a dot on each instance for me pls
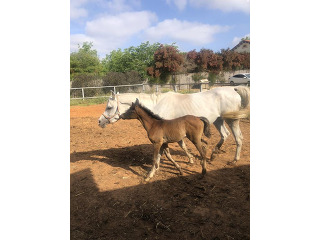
(114, 90)
(82, 93)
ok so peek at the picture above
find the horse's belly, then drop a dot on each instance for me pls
(173, 139)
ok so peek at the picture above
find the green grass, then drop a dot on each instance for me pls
(87, 102)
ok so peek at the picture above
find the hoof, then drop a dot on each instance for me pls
(147, 179)
(191, 161)
(232, 162)
(204, 171)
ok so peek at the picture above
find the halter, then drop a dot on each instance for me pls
(117, 112)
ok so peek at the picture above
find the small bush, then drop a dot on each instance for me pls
(86, 80)
(197, 77)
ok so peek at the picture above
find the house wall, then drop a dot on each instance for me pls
(187, 78)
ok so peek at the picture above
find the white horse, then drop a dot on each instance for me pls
(219, 105)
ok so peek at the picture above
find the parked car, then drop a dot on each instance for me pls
(241, 78)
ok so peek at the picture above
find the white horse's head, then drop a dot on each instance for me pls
(113, 111)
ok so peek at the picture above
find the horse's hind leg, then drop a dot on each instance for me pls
(234, 125)
(184, 147)
(224, 133)
(167, 153)
(157, 152)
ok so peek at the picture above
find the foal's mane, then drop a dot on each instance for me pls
(149, 112)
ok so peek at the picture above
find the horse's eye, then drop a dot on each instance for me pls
(108, 108)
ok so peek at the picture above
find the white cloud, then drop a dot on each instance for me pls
(181, 4)
(77, 9)
(184, 31)
(117, 5)
(109, 32)
(76, 39)
(120, 26)
(223, 5)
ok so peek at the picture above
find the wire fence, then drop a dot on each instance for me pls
(104, 91)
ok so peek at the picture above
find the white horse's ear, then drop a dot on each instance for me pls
(113, 95)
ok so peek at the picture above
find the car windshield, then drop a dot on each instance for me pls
(248, 75)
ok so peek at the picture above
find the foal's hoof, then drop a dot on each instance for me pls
(204, 171)
(191, 161)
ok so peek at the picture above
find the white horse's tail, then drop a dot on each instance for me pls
(244, 112)
(244, 93)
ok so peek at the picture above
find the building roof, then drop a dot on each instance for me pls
(239, 44)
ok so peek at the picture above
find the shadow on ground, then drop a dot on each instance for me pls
(125, 157)
(184, 207)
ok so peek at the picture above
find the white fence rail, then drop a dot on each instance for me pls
(98, 92)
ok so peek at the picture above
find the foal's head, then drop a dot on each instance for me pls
(136, 110)
(130, 113)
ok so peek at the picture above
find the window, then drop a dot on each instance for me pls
(238, 76)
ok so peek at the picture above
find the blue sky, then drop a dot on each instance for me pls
(191, 24)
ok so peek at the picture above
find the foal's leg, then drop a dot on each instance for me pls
(234, 125)
(167, 153)
(202, 150)
(224, 133)
(184, 147)
(157, 152)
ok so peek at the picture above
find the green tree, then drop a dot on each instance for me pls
(86, 60)
(131, 59)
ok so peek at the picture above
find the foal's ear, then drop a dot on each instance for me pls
(137, 101)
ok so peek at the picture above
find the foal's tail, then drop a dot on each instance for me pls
(206, 129)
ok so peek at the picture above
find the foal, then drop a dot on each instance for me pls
(161, 132)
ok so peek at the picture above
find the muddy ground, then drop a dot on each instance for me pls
(110, 200)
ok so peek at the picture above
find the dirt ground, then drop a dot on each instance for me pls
(110, 200)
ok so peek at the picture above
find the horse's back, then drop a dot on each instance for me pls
(210, 104)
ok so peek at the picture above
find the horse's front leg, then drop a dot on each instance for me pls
(157, 152)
